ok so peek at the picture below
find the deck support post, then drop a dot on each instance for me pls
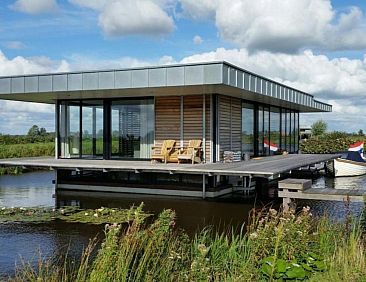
(203, 186)
(286, 202)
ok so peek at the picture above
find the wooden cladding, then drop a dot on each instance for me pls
(229, 129)
(174, 120)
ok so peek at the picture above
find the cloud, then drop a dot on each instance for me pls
(197, 40)
(18, 117)
(339, 81)
(282, 25)
(35, 7)
(130, 17)
(199, 10)
(16, 45)
(91, 4)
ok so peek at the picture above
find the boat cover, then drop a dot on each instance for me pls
(355, 156)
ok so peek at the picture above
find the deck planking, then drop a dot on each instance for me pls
(259, 167)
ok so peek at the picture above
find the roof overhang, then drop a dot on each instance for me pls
(188, 79)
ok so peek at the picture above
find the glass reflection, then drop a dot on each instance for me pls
(132, 128)
(247, 128)
(275, 120)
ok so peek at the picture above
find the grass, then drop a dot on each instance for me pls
(23, 151)
(275, 246)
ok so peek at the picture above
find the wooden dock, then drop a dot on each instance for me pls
(266, 167)
(301, 189)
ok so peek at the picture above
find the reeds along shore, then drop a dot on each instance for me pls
(274, 246)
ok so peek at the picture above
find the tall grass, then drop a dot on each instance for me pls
(275, 246)
(27, 150)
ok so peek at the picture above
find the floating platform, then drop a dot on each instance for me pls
(265, 167)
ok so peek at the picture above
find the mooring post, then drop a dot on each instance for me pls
(203, 186)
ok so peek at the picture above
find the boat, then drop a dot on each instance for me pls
(353, 165)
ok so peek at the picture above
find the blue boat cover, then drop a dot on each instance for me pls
(355, 156)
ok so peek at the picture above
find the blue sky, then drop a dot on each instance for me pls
(315, 45)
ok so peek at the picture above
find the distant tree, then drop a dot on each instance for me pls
(33, 131)
(42, 131)
(318, 128)
(360, 132)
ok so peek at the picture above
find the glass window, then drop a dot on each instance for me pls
(132, 128)
(275, 129)
(296, 126)
(266, 140)
(247, 128)
(283, 129)
(288, 131)
(92, 125)
(260, 130)
(69, 129)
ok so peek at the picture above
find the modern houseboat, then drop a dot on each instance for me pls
(121, 114)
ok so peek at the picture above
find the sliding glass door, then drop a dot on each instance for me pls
(132, 133)
(81, 129)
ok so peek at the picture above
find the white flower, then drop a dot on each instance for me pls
(96, 215)
(3, 208)
(86, 213)
(253, 235)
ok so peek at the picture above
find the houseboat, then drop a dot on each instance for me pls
(102, 117)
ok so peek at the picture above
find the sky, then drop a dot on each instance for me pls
(317, 46)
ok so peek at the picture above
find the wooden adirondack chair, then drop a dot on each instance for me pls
(192, 153)
(161, 153)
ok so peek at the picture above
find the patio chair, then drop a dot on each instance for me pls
(161, 153)
(192, 153)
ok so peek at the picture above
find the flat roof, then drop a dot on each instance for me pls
(178, 79)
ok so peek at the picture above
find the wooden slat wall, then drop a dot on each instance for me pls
(168, 120)
(235, 124)
(229, 124)
(192, 118)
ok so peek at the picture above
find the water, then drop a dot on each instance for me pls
(27, 241)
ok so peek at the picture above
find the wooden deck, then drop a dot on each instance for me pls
(301, 189)
(266, 167)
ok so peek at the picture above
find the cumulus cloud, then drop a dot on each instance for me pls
(339, 81)
(130, 17)
(197, 40)
(91, 4)
(17, 117)
(282, 25)
(35, 6)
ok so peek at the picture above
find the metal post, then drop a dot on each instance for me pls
(57, 131)
(203, 186)
(204, 126)
(181, 121)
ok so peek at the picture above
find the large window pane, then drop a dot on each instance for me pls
(247, 128)
(275, 128)
(296, 132)
(293, 131)
(283, 130)
(92, 125)
(69, 129)
(288, 131)
(132, 128)
(260, 130)
(266, 132)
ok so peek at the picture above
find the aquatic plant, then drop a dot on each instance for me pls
(71, 214)
(277, 246)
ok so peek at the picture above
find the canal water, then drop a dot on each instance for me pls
(27, 242)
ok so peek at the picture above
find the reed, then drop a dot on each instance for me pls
(275, 246)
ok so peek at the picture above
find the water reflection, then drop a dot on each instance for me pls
(27, 190)
(35, 189)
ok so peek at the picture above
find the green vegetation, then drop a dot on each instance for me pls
(70, 214)
(318, 128)
(330, 142)
(277, 246)
(37, 143)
